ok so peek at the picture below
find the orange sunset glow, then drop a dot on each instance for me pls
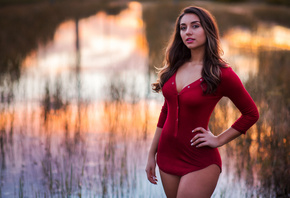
(100, 36)
(77, 109)
(266, 36)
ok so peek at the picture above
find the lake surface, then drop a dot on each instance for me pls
(77, 114)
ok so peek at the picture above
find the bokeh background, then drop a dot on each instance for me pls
(77, 114)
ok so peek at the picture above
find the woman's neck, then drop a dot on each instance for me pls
(197, 56)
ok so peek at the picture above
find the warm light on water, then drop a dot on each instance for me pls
(237, 40)
(79, 119)
(267, 36)
(107, 45)
(105, 41)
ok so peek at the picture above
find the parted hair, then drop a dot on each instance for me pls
(177, 53)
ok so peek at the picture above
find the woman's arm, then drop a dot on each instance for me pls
(232, 87)
(151, 162)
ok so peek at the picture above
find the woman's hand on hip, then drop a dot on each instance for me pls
(150, 169)
(206, 138)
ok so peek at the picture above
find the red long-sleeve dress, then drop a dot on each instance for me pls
(182, 112)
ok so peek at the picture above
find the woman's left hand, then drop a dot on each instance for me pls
(206, 138)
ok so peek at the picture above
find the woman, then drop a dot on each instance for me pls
(192, 81)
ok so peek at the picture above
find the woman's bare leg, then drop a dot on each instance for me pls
(200, 184)
(170, 184)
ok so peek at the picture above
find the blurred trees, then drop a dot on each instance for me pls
(34, 25)
(159, 20)
(270, 89)
(279, 2)
(9, 2)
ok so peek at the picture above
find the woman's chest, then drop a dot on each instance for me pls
(190, 95)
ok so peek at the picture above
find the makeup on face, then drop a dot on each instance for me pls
(191, 31)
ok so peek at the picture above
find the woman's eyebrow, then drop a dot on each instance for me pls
(191, 22)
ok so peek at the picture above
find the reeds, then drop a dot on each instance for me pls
(61, 160)
(60, 146)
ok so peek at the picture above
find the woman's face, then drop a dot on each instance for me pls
(191, 31)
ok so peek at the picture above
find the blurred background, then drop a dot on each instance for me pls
(77, 114)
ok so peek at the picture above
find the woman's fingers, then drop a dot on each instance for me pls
(151, 176)
(201, 129)
(198, 141)
(201, 138)
(197, 137)
(150, 170)
(205, 138)
(200, 135)
(154, 180)
(202, 144)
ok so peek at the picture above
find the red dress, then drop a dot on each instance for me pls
(182, 112)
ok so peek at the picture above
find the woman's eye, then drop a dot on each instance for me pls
(183, 28)
(195, 26)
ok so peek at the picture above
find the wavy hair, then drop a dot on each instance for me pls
(177, 52)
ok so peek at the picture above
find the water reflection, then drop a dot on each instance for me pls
(77, 114)
(25, 31)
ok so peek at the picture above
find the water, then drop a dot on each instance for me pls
(77, 115)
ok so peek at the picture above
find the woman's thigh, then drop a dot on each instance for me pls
(170, 184)
(200, 184)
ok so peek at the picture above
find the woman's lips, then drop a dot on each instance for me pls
(190, 40)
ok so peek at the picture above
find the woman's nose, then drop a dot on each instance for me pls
(189, 31)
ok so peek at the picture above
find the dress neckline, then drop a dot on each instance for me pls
(188, 85)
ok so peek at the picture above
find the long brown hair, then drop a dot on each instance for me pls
(177, 52)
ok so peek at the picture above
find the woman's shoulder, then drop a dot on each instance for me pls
(227, 72)
(228, 77)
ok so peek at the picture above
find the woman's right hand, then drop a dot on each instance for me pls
(150, 169)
